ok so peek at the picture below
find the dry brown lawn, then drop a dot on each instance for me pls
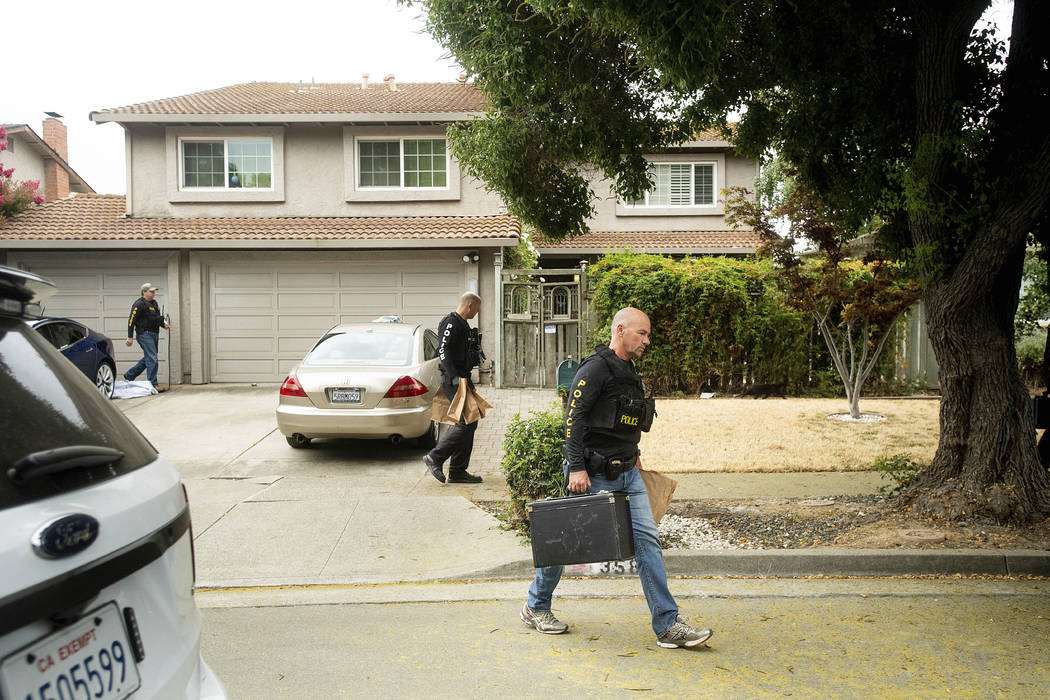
(750, 435)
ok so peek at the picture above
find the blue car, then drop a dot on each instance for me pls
(89, 350)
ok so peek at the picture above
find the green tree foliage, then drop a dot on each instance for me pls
(854, 303)
(716, 322)
(908, 109)
(1034, 303)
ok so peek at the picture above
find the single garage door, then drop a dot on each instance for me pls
(264, 318)
(101, 298)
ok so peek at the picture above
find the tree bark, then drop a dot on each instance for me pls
(986, 462)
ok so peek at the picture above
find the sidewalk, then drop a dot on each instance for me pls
(367, 512)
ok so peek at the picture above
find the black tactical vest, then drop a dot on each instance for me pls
(622, 407)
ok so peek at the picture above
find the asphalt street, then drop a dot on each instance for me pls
(345, 570)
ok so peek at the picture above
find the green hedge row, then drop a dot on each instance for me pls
(717, 323)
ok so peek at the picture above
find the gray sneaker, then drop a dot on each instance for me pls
(682, 634)
(543, 621)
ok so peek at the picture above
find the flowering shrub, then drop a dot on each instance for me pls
(15, 197)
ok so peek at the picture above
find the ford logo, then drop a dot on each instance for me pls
(65, 536)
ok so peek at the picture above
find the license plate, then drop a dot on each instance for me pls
(90, 659)
(346, 395)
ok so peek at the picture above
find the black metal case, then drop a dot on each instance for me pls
(581, 529)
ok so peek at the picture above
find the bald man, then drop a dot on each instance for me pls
(607, 413)
(457, 444)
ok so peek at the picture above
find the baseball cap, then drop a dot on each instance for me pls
(147, 288)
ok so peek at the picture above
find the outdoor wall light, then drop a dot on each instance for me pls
(470, 257)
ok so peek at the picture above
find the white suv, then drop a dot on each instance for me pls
(96, 553)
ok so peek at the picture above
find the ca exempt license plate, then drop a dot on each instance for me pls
(89, 660)
(347, 395)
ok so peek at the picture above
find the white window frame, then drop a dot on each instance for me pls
(182, 140)
(401, 161)
(353, 135)
(692, 187)
(173, 136)
(716, 208)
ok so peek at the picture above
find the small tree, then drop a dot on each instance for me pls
(854, 303)
(15, 197)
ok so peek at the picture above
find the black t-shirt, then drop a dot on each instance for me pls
(589, 386)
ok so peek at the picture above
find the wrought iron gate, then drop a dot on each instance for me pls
(543, 321)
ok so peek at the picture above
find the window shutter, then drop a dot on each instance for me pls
(704, 184)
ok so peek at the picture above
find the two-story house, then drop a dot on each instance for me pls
(268, 212)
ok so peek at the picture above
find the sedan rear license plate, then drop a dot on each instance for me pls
(346, 395)
(89, 659)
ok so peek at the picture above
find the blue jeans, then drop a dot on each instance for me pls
(148, 343)
(647, 555)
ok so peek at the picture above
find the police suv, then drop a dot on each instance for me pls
(96, 553)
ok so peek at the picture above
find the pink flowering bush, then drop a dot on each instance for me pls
(15, 197)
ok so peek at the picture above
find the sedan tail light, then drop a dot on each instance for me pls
(404, 387)
(291, 387)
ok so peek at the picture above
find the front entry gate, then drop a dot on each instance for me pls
(542, 324)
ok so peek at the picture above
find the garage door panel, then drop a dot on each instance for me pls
(231, 301)
(306, 280)
(120, 281)
(302, 303)
(375, 304)
(301, 323)
(72, 305)
(370, 280)
(245, 346)
(242, 280)
(226, 322)
(306, 302)
(71, 280)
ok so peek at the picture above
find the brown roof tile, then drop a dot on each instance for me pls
(655, 241)
(94, 217)
(324, 98)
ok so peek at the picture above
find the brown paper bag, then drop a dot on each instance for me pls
(467, 404)
(661, 489)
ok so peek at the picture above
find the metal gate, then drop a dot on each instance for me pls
(543, 321)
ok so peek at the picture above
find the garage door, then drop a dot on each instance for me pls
(101, 298)
(264, 318)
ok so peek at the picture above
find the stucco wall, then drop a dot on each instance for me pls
(314, 178)
(28, 164)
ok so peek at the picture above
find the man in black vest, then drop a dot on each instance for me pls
(606, 415)
(457, 360)
(145, 321)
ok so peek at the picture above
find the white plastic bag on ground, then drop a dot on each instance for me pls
(129, 390)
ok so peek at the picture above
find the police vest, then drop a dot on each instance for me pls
(622, 407)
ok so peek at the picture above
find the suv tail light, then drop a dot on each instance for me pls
(405, 387)
(291, 387)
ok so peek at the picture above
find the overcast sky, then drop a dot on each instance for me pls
(83, 56)
(80, 57)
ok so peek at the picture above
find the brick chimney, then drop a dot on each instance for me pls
(56, 179)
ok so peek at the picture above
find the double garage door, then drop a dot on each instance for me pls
(100, 297)
(265, 317)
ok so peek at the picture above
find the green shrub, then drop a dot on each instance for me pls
(1030, 359)
(716, 322)
(532, 462)
(899, 468)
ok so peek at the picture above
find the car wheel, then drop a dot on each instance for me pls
(298, 441)
(104, 379)
(430, 438)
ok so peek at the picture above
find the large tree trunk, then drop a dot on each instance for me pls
(986, 462)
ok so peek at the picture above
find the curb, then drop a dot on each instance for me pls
(787, 563)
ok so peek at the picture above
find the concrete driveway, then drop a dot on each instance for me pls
(340, 511)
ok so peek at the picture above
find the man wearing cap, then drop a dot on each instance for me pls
(145, 320)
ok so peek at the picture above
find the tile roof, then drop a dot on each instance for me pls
(100, 217)
(654, 241)
(322, 99)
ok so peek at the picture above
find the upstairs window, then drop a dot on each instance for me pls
(224, 164)
(403, 163)
(679, 185)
